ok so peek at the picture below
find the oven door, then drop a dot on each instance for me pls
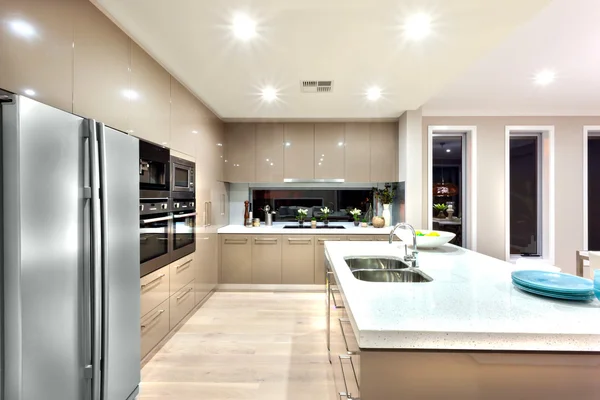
(183, 178)
(155, 241)
(184, 234)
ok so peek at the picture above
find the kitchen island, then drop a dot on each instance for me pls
(468, 333)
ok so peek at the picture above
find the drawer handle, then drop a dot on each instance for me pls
(158, 278)
(236, 241)
(153, 318)
(185, 294)
(184, 264)
(204, 238)
(268, 240)
(342, 321)
(346, 393)
(294, 240)
(321, 241)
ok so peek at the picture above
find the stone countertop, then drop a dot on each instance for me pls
(471, 304)
(278, 229)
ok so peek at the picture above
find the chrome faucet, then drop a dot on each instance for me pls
(412, 258)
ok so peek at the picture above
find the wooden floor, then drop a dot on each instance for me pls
(246, 345)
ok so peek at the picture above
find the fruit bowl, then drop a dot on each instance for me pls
(426, 241)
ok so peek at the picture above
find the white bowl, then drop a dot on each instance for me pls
(426, 242)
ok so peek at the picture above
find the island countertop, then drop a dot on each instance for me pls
(471, 304)
(278, 229)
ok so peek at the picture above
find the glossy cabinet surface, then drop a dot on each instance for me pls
(154, 289)
(384, 152)
(181, 272)
(299, 146)
(150, 107)
(36, 50)
(358, 152)
(269, 153)
(100, 67)
(320, 255)
(240, 153)
(184, 120)
(180, 304)
(266, 259)
(329, 151)
(297, 260)
(236, 259)
(154, 326)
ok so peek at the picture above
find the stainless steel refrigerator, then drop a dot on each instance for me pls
(70, 256)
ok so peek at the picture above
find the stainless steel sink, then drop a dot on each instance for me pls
(391, 275)
(375, 263)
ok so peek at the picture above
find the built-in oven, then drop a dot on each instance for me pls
(184, 228)
(155, 167)
(156, 223)
(182, 178)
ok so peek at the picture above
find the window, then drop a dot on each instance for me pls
(593, 192)
(525, 194)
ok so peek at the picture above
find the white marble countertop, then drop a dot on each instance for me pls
(278, 229)
(471, 304)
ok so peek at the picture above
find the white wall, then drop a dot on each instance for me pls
(491, 218)
(410, 162)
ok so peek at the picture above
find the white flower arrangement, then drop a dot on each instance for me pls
(302, 213)
(325, 211)
(356, 213)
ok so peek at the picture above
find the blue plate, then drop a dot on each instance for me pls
(554, 295)
(582, 293)
(553, 281)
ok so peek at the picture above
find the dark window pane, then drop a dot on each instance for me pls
(524, 186)
(181, 177)
(593, 193)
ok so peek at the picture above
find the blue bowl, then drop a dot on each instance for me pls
(597, 292)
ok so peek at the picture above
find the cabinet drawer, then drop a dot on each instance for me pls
(298, 260)
(182, 272)
(361, 238)
(266, 259)
(236, 259)
(181, 303)
(320, 256)
(154, 327)
(154, 289)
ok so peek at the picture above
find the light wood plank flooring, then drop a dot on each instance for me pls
(243, 346)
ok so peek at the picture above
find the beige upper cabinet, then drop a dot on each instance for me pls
(149, 96)
(101, 67)
(358, 153)
(329, 151)
(36, 50)
(269, 153)
(384, 151)
(299, 147)
(184, 119)
(240, 153)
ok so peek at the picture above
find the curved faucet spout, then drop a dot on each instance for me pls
(413, 256)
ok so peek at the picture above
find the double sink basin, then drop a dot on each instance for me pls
(385, 269)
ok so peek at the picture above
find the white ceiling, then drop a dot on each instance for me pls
(564, 37)
(356, 43)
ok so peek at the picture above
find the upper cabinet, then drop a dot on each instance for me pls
(240, 153)
(358, 152)
(299, 147)
(384, 151)
(101, 68)
(36, 50)
(329, 151)
(149, 98)
(185, 119)
(269, 153)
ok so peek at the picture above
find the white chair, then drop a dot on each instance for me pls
(535, 264)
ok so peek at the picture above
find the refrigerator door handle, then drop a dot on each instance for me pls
(96, 260)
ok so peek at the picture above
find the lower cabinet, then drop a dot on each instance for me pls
(320, 256)
(154, 289)
(298, 260)
(154, 327)
(236, 259)
(180, 304)
(266, 259)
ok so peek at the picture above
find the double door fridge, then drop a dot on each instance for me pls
(70, 307)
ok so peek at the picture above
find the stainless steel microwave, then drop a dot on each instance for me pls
(182, 178)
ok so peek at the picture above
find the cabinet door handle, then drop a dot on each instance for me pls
(184, 294)
(158, 278)
(188, 263)
(236, 241)
(298, 241)
(223, 204)
(265, 241)
(152, 319)
(342, 321)
(210, 213)
(204, 238)
(346, 393)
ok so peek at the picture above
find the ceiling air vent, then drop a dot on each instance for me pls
(316, 86)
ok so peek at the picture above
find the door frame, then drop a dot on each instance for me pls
(469, 132)
(588, 130)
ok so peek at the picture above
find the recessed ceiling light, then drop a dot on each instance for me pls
(22, 28)
(417, 26)
(271, 164)
(244, 27)
(340, 144)
(287, 144)
(220, 144)
(448, 150)
(269, 94)
(373, 93)
(130, 94)
(29, 92)
(544, 77)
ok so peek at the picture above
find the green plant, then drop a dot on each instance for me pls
(386, 195)
(313, 219)
(325, 213)
(302, 213)
(355, 213)
(440, 207)
(364, 220)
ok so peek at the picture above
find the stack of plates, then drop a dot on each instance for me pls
(554, 284)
